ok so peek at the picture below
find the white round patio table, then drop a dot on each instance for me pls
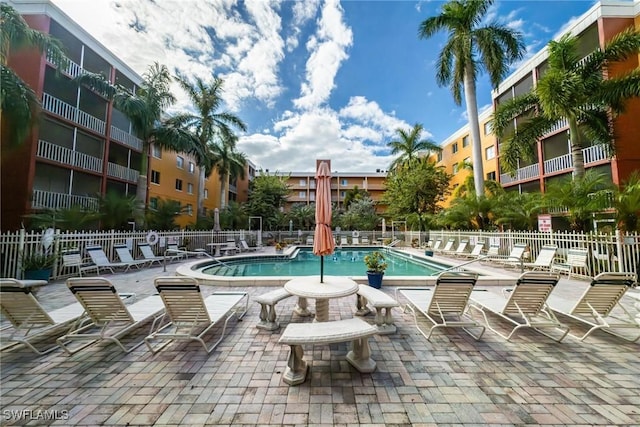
(310, 287)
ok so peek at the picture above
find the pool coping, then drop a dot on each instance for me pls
(486, 277)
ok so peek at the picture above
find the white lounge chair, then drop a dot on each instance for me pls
(448, 247)
(476, 252)
(523, 306)
(310, 240)
(125, 256)
(544, 259)
(109, 319)
(459, 251)
(148, 254)
(514, 259)
(599, 306)
(72, 259)
(436, 245)
(344, 241)
(174, 252)
(30, 321)
(246, 248)
(190, 315)
(445, 305)
(576, 262)
(100, 259)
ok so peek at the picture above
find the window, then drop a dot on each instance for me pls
(490, 152)
(192, 168)
(180, 162)
(153, 203)
(343, 194)
(206, 193)
(455, 168)
(344, 182)
(179, 184)
(190, 188)
(465, 141)
(454, 148)
(155, 177)
(487, 128)
(190, 210)
(156, 152)
(491, 176)
(302, 194)
(440, 156)
(303, 183)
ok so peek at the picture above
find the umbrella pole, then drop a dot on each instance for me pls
(321, 268)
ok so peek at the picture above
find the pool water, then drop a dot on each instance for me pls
(343, 262)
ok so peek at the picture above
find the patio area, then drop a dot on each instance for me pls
(450, 380)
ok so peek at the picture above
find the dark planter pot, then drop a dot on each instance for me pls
(428, 253)
(38, 274)
(375, 279)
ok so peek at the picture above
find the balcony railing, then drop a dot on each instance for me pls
(72, 69)
(126, 138)
(592, 154)
(122, 172)
(57, 153)
(527, 172)
(71, 113)
(562, 123)
(49, 200)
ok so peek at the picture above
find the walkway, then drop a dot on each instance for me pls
(450, 380)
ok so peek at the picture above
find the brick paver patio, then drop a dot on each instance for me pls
(450, 380)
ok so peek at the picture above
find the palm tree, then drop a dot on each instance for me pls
(574, 89)
(408, 144)
(19, 103)
(468, 49)
(209, 125)
(145, 109)
(229, 163)
(627, 204)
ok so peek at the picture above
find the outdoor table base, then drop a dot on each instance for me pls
(310, 287)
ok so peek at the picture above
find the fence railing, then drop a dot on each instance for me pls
(607, 252)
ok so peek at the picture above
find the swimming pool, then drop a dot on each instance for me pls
(343, 262)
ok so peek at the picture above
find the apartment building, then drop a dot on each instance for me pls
(456, 154)
(553, 159)
(83, 147)
(302, 186)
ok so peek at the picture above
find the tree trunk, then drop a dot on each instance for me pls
(223, 191)
(577, 156)
(141, 191)
(474, 129)
(201, 180)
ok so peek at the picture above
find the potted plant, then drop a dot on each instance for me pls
(376, 266)
(37, 265)
(280, 246)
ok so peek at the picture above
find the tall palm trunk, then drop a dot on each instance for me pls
(474, 127)
(577, 156)
(223, 190)
(141, 190)
(201, 179)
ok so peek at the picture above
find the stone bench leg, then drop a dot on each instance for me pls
(360, 356)
(384, 321)
(361, 306)
(268, 317)
(296, 370)
(301, 309)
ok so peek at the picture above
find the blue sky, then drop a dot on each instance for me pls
(311, 79)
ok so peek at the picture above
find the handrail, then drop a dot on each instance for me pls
(196, 253)
(480, 258)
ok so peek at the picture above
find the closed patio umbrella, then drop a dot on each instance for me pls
(323, 243)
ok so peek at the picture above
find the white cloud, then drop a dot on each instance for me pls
(328, 49)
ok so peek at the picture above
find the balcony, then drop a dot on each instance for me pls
(49, 200)
(122, 172)
(72, 69)
(71, 113)
(126, 138)
(57, 153)
(593, 154)
(525, 173)
(563, 123)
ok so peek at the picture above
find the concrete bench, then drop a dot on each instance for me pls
(355, 330)
(268, 303)
(383, 305)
